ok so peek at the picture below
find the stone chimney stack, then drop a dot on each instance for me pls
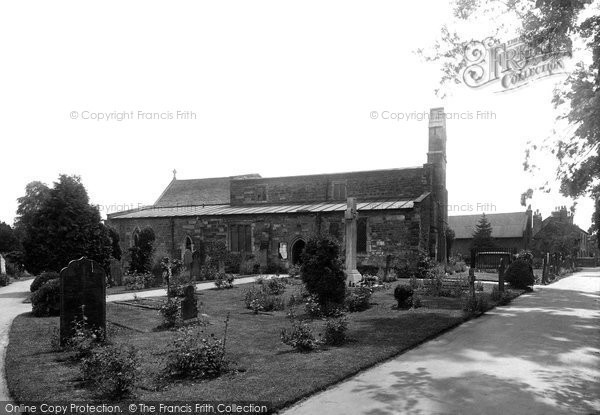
(562, 215)
(537, 222)
(436, 159)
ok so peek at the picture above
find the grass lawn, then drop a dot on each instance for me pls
(264, 369)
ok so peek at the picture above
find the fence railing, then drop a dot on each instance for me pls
(587, 262)
(491, 260)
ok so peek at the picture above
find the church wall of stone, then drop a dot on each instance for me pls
(396, 233)
(402, 184)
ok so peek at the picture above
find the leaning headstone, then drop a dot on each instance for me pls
(189, 306)
(501, 270)
(350, 216)
(82, 294)
(196, 265)
(2, 266)
(116, 272)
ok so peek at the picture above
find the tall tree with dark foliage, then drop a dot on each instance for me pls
(65, 227)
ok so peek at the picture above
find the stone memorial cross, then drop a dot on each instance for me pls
(350, 217)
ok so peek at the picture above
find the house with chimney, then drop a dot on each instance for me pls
(560, 223)
(511, 231)
(515, 231)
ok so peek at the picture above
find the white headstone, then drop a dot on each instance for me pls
(283, 250)
(2, 265)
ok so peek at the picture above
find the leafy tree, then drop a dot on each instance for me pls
(482, 236)
(450, 237)
(116, 247)
(15, 261)
(596, 223)
(216, 252)
(526, 195)
(557, 238)
(321, 270)
(36, 194)
(556, 27)
(8, 239)
(141, 252)
(64, 227)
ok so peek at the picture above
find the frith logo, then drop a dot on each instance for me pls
(511, 64)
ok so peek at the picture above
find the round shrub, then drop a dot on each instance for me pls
(42, 279)
(300, 337)
(223, 280)
(4, 280)
(46, 300)
(335, 331)
(258, 299)
(112, 370)
(171, 312)
(519, 274)
(403, 295)
(196, 356)
(312, 307)
(275, 286)
(358, 299)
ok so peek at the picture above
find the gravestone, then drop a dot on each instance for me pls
(116, 272)
(472, 281)
(2, 266)
(187, 260)
(350, 217)
(189, 306)
(82, 293)
(196, 265)
(545, 269)
(501, 270)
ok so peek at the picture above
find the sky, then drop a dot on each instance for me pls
(271, 87)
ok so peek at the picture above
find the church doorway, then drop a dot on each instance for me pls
(297, 249)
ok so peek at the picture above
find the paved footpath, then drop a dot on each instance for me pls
(539, 355)
(11, 305)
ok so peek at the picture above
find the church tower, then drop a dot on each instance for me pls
(436, 159)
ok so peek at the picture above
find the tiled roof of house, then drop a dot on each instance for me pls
(504, 225)
(213, 191)
(162, 212)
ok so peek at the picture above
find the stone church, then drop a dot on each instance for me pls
(267, 221)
